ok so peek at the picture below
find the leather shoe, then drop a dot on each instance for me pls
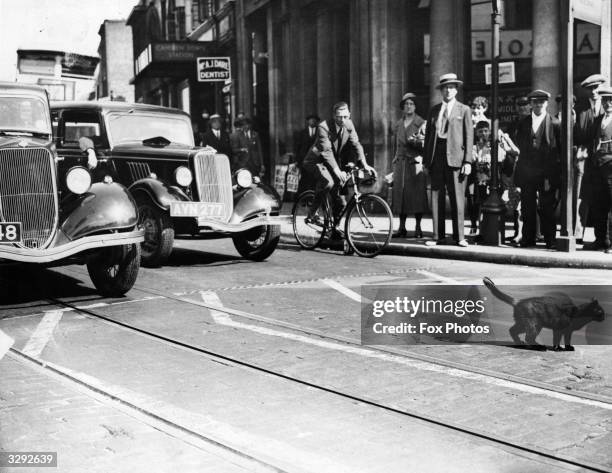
(316, 220)
(418, 233)
(433, 242)
(336, 234)
(400, 234)
(594, 246)
(551, 245)
(463, 243)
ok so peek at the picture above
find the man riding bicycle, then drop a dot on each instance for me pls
(336, 144)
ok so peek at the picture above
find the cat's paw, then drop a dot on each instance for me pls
(569, 348)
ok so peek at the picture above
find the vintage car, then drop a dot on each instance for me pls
(50, 212)
(180, 189)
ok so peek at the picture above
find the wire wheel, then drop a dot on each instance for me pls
(307, 233)
(369, 224)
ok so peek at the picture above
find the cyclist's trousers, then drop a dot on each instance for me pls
(325, 184)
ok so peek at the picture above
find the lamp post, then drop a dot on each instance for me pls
(493, 208)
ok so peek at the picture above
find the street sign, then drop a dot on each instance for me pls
(506, 73)
(588, 10)
(213, 69)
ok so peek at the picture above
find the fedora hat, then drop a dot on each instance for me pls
(407, 96)
(450, 78)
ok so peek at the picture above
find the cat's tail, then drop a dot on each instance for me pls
(498, 293)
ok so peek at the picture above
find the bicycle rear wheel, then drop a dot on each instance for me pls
(369, 224)
(308, 234)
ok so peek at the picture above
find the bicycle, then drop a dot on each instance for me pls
(368, 219)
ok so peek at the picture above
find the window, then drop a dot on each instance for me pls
(79, 124)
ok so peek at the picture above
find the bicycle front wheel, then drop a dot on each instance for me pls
(308, 234)
(369, 224)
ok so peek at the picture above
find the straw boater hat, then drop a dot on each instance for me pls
(446, 79)
(407, 96)
(594, 80)
(216, 116)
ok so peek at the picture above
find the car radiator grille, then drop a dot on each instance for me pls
(214, 180)
(28, 194)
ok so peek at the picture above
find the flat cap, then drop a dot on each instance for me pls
(594, 80)
(605, 91)
(538, 94)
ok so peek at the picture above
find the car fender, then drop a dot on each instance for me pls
(257, 199)
(104, 207)
(160, 193)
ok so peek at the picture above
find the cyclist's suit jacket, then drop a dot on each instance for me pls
(328, 150)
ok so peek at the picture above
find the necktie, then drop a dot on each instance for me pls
(339, 138)
(217, 134)
(444, 121)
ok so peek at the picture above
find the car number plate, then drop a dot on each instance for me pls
(10, 232)
(215, 210)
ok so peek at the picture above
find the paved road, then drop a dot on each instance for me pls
(268, 372)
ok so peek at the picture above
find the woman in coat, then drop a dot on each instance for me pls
(409, 182)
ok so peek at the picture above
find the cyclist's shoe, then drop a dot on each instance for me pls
(337, 234)
(316, 220)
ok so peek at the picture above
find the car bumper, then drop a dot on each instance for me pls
(68, 249)
(245, 225)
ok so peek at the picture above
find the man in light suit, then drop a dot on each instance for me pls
(538, 170)
(449, 138)
(336, 144)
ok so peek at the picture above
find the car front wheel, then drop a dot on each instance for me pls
(257, 243)
(114, 270)
(159, 233)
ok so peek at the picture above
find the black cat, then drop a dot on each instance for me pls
(554, 311)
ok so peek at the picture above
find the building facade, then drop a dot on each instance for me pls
(116, 61)
(291, 58)
(65, 75)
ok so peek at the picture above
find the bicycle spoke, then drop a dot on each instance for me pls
(369, 225)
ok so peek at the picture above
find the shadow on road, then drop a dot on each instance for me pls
(28, 286)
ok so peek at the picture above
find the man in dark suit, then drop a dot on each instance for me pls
(583, 171)
(449, 139)
(599, 136)
(217, 137)
(304, 140)
(246, 148)
(336, 144)
(538, 171)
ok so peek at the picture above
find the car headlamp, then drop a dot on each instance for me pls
(78, 180)
(244, 178)
(183, 176)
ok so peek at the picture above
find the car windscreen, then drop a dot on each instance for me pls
(136, 126)
(24, 115)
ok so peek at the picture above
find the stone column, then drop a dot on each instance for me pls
(326, 95)
(243, 58)
(546, 46)
(447, 42)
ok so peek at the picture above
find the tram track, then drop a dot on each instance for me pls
(214, 355)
